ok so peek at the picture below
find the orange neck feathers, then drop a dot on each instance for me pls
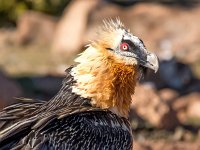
(105, 79)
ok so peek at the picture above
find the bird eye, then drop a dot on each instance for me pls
(124, 46)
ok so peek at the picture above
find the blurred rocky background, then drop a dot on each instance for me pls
(40, 38)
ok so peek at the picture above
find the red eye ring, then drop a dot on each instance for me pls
(124, 46)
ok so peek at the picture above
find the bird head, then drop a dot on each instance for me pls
(114, 37)
(109, 68)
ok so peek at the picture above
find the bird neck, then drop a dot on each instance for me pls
(104, 79)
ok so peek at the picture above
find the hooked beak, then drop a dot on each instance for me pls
(151, 62)
(145, 58)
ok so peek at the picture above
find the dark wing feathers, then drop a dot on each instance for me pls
(88, 130)
(13, 114)
(67, 121)
(14, 121)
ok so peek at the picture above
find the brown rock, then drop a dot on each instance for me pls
(7, 38)
(106, 11)
(35, 27)
(148, 104)
(193, 110)
(70, 30)
(168, 95)
(187, 107)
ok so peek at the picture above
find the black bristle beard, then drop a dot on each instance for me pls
(142, 72)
